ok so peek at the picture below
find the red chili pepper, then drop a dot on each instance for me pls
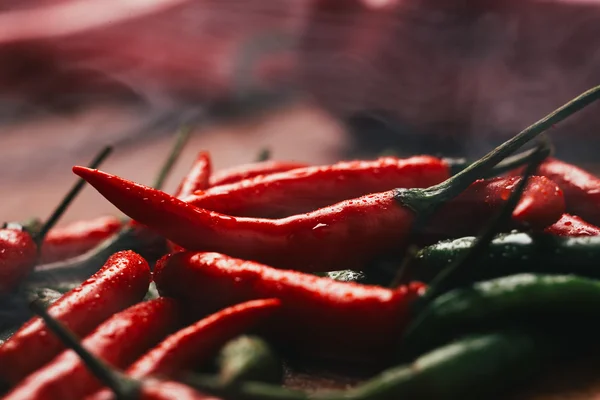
(542, 204)
(197, 178)
(197, 343)
(306, 189)
(154, 389)
(319, 316)
(571, 225)
(581, 188)
(122, 281)
(18, 254)
(118, 341)
(344, 235)
(78, 237)
(247, 171)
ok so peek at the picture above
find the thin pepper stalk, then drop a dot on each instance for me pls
(127, 238)
(459, 272)
(20, 249)
(264, 155)
(349, 233)
(461, 269)
(122, 386)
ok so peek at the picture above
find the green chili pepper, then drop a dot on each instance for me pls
(248, 358)
(524, 300)
(474, 366)
(515, 253)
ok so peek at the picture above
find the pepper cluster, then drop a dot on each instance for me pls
(443, 276)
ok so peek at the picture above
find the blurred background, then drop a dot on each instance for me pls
(312, 80)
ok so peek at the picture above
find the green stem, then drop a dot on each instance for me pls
(123, 387)
(68, 199)
(459, 271)
(244, 390)
(425, 201)
(263, 155)
(182, 138)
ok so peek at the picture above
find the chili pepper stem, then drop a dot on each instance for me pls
(424, 201)
(182, 138)
(68, 199)
(459, 270)
(263, 155)
(123, 387)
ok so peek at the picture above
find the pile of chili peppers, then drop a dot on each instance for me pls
(443, 278)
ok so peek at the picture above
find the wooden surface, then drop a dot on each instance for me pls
(36, 158)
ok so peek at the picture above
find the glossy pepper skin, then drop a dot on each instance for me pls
(319, 316)
(118, 341)
(78, 237)
(572, 225)
(18, 255)
(514, 253)
(197, 178)
(122, 281)
(532, 300)
(196, 344)
(306, 189)
(581, 188)
(247, 171)
(541, 205)
(346, 234)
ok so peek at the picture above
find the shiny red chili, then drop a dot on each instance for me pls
(542, 204)
(18, 255)
(78, 237)
(197, 178)
(572, 225)
(117, 341)
(581, 188)
(154, 389)
(318, 316)
(122, 281)
(196, 344)
(344, 235)
(247, 171)
(306, 189)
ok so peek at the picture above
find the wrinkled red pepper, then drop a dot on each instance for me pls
(318, 317)
(122, 281)
(118, 341)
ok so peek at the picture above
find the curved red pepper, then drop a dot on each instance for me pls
(247, 171)
(18, 254)
(319, 316)
(122, 281)
(197, 178)
(118, 341)
(581, 188)
(306, 189)
(78, 237)
(571, 225)
(197, 343)
(345, 235)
